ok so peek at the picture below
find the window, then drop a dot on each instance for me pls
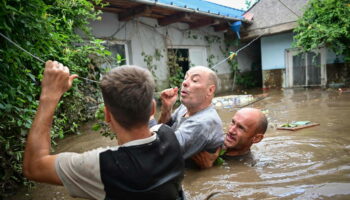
(119, 56)
(307, 69)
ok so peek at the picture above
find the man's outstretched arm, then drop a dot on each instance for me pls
(38, 164)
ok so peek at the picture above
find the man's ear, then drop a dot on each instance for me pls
(107, 115)
(258, 137)
(154, 107)
(211, 90)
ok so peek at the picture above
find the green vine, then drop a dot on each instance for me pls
(176, 75)
(325, 23)
(211, 62)
(149, 59)
(190, 35)
(45, 28)
(211, 39)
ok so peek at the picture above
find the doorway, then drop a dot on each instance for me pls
(305, 69)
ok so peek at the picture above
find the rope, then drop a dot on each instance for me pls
(233, 54)
(36, 57)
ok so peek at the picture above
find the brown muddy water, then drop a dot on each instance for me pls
(312, 163)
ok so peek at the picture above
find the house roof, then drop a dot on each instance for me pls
(206, 7)
(196, 13)
(273, 17)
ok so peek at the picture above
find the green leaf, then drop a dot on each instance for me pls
(219, 161)
(96, 127)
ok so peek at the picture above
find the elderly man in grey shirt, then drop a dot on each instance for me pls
(197, 125)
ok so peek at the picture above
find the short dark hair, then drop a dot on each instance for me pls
(262, 125)
(128, 93)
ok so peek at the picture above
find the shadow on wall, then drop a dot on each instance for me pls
(338, 75)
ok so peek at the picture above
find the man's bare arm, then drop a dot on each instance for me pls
(205, 159)
(38, 164)
(168, 97)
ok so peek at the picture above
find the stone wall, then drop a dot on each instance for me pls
(273, 78)
(225, 83)
(338, 74)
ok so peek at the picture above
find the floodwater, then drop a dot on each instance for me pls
(311, 163)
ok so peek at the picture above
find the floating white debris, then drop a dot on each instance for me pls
(237, 101)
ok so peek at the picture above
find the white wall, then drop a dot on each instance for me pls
(145, 35)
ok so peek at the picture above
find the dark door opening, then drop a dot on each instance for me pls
(178, 64)
(180, 57)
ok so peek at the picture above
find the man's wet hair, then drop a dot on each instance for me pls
(128, 93)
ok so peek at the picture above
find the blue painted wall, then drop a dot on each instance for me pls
(272, 50)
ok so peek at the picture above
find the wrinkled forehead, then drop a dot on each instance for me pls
(246, 118)
(200, 71)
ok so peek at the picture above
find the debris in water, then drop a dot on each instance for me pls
(237, 101)
(293, 126)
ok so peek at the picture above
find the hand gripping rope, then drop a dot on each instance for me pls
(39, 59)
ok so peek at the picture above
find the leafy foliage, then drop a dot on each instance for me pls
(325, 23)
(149, 59)
(176, 75)
(46, 28)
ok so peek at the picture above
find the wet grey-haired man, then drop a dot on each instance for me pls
(196, 123)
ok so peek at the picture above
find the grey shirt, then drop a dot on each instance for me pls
(201, 131)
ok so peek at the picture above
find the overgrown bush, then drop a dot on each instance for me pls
(46, 28)
(325, 23)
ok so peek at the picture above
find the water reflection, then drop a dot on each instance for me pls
(312, 163)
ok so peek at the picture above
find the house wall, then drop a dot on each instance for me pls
(273, 59)
(268, 13)
(145, 35)
(273, 21)
(338, 72)
(273, 16)
(249, 56)
(272, 50)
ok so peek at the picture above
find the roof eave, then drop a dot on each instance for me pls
(189, 10)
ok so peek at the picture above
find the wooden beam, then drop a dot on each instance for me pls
(221, 27)
(109, 9)
(173, 19)
(279, 28)
(203, 22)
(134, 12)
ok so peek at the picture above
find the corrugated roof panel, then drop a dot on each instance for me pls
(205, 6)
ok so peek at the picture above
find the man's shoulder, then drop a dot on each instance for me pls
(207, 114)
(84, 157)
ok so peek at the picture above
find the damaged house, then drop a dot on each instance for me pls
(168, 37)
